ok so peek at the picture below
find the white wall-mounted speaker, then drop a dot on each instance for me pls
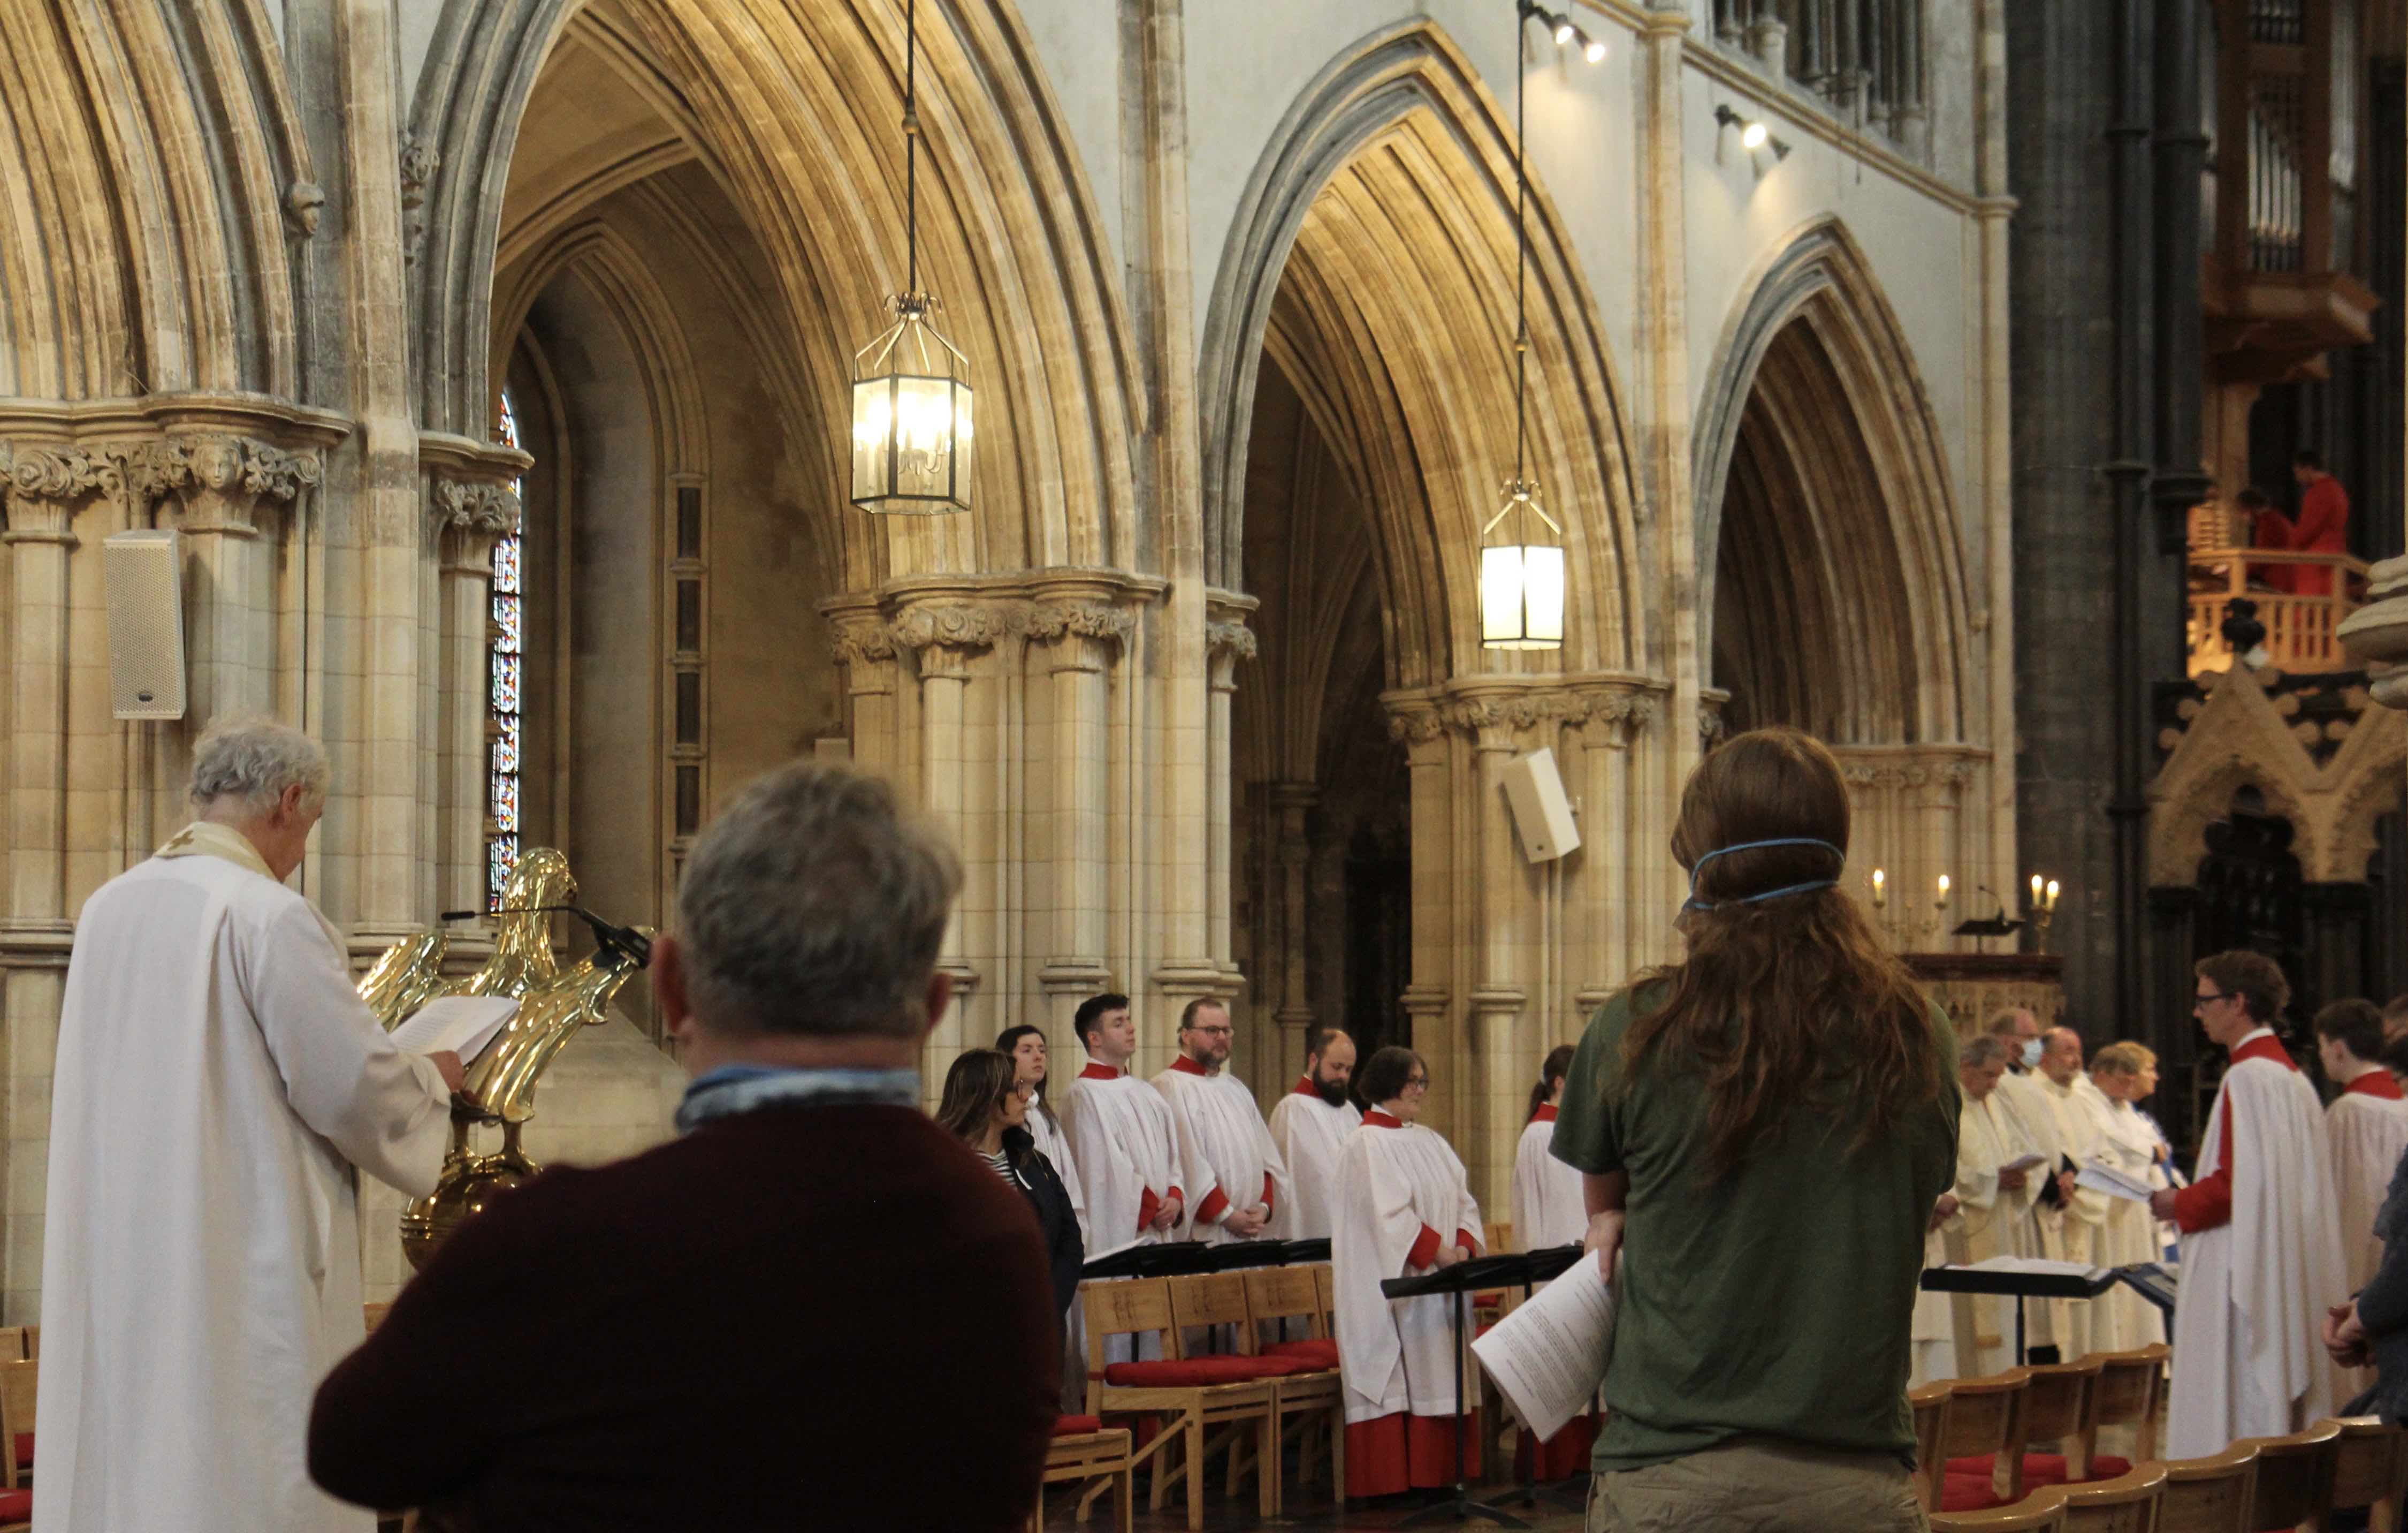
(1542, 815)
(144, 572)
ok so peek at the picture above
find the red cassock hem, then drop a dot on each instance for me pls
(1561, 1456)
(1401, 1451)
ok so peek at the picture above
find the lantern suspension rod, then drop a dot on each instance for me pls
(1521, 247)
(912, 142)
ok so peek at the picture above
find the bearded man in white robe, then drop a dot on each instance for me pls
(218, 1085)
(2123, 1075)
(1308, 1125)
(2366, 1132)
(2073, 1221)
(1228, 1167)
(2022, 1097)
(1963, 1335)
(2260, 1251)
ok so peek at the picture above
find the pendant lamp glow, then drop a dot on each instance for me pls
(1521, 582)
(910, 386)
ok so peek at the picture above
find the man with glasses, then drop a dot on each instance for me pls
(2260, 1251)
(1232, 1172)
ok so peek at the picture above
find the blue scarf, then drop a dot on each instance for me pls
(734, 1088)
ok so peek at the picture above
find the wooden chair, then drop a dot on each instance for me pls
(2370, 1470)
(2295, 1476)
(1984, 1417)
(1318, 1400)
(2132, 1393)
(1212, 1302)
(2210, 1494)
(2061, 1406)
(1189, 1394)
(33, 1340)
(374, 1314)
(18, 1378)
(13, 1342)
(2127, 1504)
(1083, 1450)
(2023, 1517)
(1324, 1282)
(1927, 1402)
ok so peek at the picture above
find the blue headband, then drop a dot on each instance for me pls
(1694, 902)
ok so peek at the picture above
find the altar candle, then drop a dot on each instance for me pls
(1943, 891)
(2036, 891)
(2052, 895)
(1880, 888)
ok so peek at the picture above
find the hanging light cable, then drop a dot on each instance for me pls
(1522, 582)
(911, 389)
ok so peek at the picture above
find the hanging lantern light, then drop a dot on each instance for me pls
(910, 386)
(1522, 586)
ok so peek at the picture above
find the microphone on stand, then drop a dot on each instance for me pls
(625, 941)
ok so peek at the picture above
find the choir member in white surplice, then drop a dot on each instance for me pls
(1308, 1125)
(1404, 1208)
(1962, 1335)
(1120, 1136)
(2122, 1075)
(2260, 1251)
(1024, 1046)
(2071, 1222)
(2021, 1098)
(218, 1086)
(2366, 1132)
(1229, 1168)
(1548, 1209)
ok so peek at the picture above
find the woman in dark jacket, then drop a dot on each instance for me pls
(986, 1107)
(2372, 1327)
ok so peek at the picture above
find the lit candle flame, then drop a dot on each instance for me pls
(1943, 891)
(1880, 888)
(2052, 894)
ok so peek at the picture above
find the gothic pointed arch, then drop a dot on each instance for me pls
(1823, 494)
(1372, 260)
(1010, 237)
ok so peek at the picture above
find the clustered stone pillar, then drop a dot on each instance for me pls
(465, 518)
(1292, 805)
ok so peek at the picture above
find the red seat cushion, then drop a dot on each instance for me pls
(24, 1449)
(16, 1506)
(1195, 1372)
(1969, 1493)
(2043, 1469)
(1321, 1354)
(1070, 1426)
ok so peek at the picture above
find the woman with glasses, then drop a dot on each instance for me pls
(1776, 1119)
(1402, 1206)
(986, 1108)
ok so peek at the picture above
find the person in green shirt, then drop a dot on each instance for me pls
(1765, 1131)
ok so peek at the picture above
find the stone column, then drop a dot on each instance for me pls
(1600, 922)
(1226, 642)
(1429, 1000)
(1292, 805)
(43, 489)
(1076, 642)
(865, 648)
(465, 518)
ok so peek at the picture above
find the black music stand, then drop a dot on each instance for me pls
(1459, 1280)
(1571, 1494)
(2018, 1286)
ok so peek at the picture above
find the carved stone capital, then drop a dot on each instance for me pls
(221, 483)
(861, 641)
(1231, 638)
(40, 486)
(470, 514)
(1048, 621)
(967, 625)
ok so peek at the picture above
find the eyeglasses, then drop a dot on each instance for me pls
(2214, 996)
(1213, 1032)
(1423, 1081)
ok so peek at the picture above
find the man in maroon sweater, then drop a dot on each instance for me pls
(814, 1310)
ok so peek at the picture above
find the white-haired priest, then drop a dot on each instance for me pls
(218, 1083)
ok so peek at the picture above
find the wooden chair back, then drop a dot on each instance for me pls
(19, 1382)
(1930, 1403)
(33, 1340)
(1210, 1298)
(2369, 1464)
(1286, 1292)
(1500, 1235)
(2129, 1392)
(2127, 1504)
(2034, 1516)
(1325, 1281)
(1129, 1308)
(2295, 1476)
(2060, 1407)
(1987, 1416)
(2210, 1494)
(14, 1343)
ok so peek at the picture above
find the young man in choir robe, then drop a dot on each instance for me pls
(1308, 1125)
(2073, 1221)
(2260, 1251)
(2123, 1075)
(218, 1085)
(1404, 1206)
(2366, 1132)
(1120, 1133)
(1230, 1170)
(1961, 1336)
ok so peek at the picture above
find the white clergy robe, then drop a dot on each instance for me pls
(1401, 1193)
(1120, 1136)
(1044, 1128)
(1308, 1130)
(1962, 1335)
(1548, 1208)
(2248, 1355)
(2036, 1232)
(1226, 1160)
(2121, 1320)
(218, 1079)
(2366, 1132)
(2075, 1224)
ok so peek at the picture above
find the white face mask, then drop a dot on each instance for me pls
(2032, 1054)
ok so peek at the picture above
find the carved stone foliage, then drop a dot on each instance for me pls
(222, 482)
(55, 473)
(473, 507)
(1232, 639)
(1421, 720)
(979, 625)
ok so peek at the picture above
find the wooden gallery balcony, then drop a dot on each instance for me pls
(2300, 598)
(2280, 194)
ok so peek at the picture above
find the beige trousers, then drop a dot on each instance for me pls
(1759, 1485)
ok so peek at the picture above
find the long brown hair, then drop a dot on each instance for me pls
(1558, 1064)
(1780, 996)
(975, 1088)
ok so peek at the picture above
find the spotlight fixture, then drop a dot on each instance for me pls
(1561, 27)
(1752, 134)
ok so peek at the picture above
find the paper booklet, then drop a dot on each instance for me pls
(2035, 1266)
(462, 1025)
(2101, 1177)
(1549, 1356)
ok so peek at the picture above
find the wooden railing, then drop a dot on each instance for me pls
(2299, 628)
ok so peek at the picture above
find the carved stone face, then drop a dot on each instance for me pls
(302, 204)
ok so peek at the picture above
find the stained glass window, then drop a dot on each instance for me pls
(503, 699)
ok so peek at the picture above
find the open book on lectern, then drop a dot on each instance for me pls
(465, 1025)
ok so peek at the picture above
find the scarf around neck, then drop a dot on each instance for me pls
(734, 1088)
(206, 838)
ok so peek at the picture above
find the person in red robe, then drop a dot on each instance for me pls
(2322, 527)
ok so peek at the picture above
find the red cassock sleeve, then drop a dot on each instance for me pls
(1425, 1250)
(1214, 1206)
(1463, 1239)
(1267, 1189)
(1148, 1207)
(2207, 1202)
